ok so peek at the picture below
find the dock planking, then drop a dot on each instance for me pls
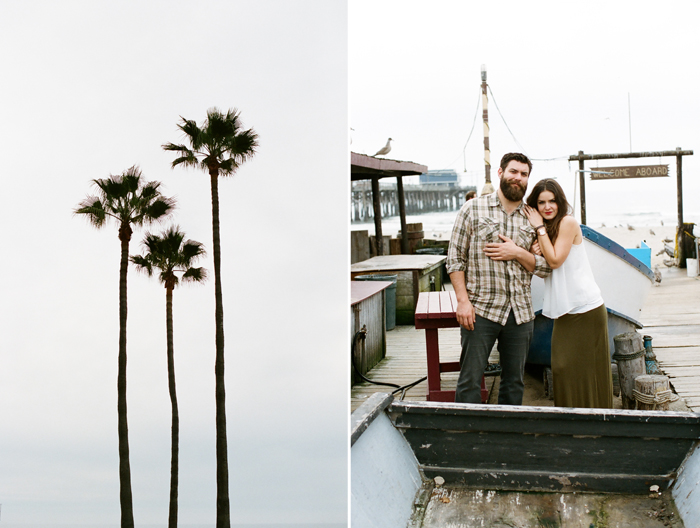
(671, 316)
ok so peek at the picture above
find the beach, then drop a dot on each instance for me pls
(438, 226)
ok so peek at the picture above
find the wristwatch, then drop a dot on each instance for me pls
(541, 230)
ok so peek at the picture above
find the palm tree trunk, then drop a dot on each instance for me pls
(223, 512)
(127, 509)
(175, 430)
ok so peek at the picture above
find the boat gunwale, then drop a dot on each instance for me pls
(616, 249)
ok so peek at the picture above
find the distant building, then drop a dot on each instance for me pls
(440, 177)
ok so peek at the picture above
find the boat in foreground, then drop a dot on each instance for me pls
(400, 450)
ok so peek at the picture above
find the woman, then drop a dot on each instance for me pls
(580, 350)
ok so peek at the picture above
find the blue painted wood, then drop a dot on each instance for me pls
(384, 471)
(616, 249)
(686, 489)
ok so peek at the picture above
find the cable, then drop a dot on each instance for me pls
(504, 121)
(476, 113)
(363, 333)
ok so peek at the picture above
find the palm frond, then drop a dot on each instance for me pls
(220, 142)
(127, 198)
(194, 275)
(142, 264)
(169, 252)
(93, 209)
(192, 132)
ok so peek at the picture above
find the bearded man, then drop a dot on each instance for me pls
(491, 266)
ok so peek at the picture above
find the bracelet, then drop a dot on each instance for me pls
(539, 227)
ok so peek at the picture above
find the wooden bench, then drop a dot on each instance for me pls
(438, 310)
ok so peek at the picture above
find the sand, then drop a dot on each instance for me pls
(623, 235)
(652, 236)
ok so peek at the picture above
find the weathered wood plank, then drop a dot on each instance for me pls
(576, 454)
(510, 447)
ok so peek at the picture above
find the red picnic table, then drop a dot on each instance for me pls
(438, 310)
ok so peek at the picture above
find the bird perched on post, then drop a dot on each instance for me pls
(385, 149)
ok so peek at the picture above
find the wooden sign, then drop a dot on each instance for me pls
(639, 171)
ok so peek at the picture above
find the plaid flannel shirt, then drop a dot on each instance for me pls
(494, 287)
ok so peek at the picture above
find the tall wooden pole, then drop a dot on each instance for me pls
(488, 188)
(582, 186)
(679, 187)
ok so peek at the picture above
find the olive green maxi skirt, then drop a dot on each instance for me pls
(581, 360)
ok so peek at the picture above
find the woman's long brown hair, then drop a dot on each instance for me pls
(563, 207)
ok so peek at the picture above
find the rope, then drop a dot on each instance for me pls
(634, 355)
(659, 398)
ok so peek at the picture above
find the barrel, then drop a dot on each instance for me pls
(629, 354)
(390, 304)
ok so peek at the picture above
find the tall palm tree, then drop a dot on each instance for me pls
(219, 147)
(129, 201)
(171, 254)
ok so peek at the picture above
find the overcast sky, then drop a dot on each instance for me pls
(88, 90)
(92, 88)
(561, 74)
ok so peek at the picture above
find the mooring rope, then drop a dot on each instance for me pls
(659, 398)
(634, 355)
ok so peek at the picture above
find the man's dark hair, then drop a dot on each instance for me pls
(515, 156)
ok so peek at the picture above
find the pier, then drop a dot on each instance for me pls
(670, 317)
(419, 199)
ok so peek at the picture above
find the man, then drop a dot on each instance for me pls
(491, 267)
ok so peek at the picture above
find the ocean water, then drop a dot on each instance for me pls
(641, 202)
(595, 217)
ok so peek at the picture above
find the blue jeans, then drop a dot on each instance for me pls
(513, 345)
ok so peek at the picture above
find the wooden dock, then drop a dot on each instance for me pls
(671, 316)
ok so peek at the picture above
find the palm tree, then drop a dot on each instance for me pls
(130, 201)
(219, 147)
(171, 254)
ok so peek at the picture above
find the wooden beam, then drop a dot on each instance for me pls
(658, 154)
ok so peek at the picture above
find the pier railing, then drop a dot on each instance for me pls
(419, 199)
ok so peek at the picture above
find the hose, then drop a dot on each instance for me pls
(363, 334)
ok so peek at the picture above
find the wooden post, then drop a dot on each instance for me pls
(402, 214)
(629, 354)
(650, 385)
(582, 185)
(376, 199)
(488, 187)
(679, 186)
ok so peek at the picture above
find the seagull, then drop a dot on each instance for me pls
(657, 275)
(651, 232)
(631, 228)
(385, 149)
(667, 240)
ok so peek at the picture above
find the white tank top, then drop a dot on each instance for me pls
(571, 287)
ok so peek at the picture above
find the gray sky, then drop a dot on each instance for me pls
(90, 89)
(560, 73)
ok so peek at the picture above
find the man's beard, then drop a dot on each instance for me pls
(513, 191)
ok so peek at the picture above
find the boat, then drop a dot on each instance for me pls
(425, 464)
(624, 283)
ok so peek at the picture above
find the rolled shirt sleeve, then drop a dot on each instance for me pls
(458, 250)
